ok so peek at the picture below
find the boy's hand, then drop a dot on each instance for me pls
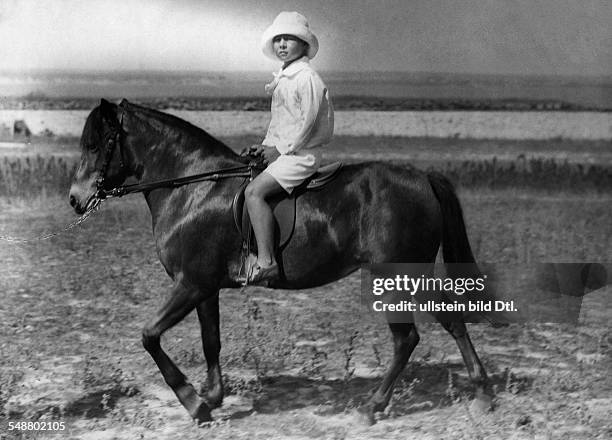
(256, 149)
(270, 154)
(253, 150)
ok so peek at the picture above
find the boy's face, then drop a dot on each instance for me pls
(288, 48)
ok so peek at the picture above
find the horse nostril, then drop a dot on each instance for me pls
(73, 201)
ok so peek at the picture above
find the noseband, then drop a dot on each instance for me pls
(114, 140)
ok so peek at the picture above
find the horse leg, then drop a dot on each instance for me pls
(476, 371)
(405, 339)
(181, 302)
(208, 314)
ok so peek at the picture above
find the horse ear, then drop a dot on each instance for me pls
(108, 110)
(124, 103)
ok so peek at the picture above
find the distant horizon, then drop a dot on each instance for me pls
(69, 71)
(82, 83)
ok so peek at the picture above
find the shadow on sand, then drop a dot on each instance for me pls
(421, 387)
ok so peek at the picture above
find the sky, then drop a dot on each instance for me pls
(565, 37)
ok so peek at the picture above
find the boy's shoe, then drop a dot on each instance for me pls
(263, 275)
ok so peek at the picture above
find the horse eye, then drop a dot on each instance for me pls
(93, 148)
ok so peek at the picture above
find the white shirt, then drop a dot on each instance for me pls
(302, 112)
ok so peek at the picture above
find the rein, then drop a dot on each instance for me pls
(214, 175)
(120, 191)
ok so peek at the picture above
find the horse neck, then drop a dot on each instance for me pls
(163, 151)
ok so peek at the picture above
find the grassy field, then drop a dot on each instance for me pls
(296, 363)
(46, 166)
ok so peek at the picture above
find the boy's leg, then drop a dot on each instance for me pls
(256, 193)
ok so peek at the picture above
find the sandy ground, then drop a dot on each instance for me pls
(437, 124)
(73, 308)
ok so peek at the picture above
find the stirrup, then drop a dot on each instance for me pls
(247, 266)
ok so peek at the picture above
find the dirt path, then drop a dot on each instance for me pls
(73, 306)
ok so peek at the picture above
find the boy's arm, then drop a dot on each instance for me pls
(311, 93)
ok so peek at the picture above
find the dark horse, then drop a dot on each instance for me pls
(371, 213)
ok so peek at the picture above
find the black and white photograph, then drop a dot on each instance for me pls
(284, 219)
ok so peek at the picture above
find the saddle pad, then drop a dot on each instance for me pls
(283, 207)
(284, 216)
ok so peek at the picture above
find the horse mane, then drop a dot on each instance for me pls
(181, 127)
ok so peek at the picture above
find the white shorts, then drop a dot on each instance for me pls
(290, 170)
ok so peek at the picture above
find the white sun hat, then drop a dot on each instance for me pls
(289, 23)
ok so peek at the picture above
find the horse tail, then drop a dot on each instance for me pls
(455, 244)
(456, 247)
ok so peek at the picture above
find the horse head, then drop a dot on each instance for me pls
(104, 159)
(128, 140)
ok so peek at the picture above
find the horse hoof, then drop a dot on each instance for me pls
(365, 416)
(212, 397)
(482, 403)
(197, 407)
(213, 401)
(201, 413)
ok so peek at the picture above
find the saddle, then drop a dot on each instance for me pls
(283, 207)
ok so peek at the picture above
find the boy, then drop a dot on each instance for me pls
(302, 121)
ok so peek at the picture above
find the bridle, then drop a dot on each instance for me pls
(114, 142)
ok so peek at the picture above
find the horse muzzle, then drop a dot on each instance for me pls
(83, 201)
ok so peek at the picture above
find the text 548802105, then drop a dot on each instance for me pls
(36, 426)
